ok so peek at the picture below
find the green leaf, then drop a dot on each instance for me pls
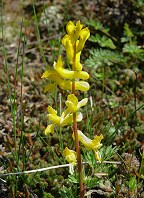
(133, 183)
(92, 182)
(97, 25)
(74, 178)
(103, 58)
(108, 152)
(132, 49)
(103, 41)
(128, 31)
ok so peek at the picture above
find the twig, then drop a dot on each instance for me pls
(37, 170)
(71, 167)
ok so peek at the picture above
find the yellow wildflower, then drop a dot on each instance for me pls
(70, 156)
(66, 74)
(75, 35)
(73, 104)
(94, 144)
(59, 75)
(61, 121)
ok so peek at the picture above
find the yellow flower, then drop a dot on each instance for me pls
(75, 32)
(69, 48)
(70, 156)
(94, 144)
(73, 104)
(84, 35)
(70, 52)
(61, 121)
(66, 74)
(63, 83)
(50, 88)
(79, 85)
(75, 37)
(49, 129)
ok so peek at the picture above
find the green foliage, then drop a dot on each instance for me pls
(127, 33)
(92, 182)
(97, 25)
(103, 58)
(108, 152)
(130, 41)
(68, 192)
(48, 195)
(103, 41)
(125, 52)
(133, 183)
(74, 178)
(133, 50)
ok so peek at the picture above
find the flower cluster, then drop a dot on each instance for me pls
(67, 116)
(73, 42)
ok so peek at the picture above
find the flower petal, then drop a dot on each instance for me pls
(50, 88)
(79, 116)
(66, 120)
(84, 35)
(72, 103)
(97, 141)
(98, 155)
(85, 140)
(78, 64)
(53, 115)
(94, 144)
(82, 102)
(82, 86)
(49, 129)
(67, 84)
(50, 74)
(70, 156)
(51, 110)
(69, 47)
(54, 118)
(59, 67)
(70, 28)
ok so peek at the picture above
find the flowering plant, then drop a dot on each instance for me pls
(74, 79)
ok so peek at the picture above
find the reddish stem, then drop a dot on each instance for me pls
(76, 136)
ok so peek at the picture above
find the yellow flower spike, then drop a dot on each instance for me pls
(49, 129)
(94, 144)
(59, 67)
(70, 156)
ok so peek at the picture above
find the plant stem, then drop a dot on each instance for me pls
(76, 136)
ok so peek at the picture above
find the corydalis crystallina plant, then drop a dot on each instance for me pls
(74, 79)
